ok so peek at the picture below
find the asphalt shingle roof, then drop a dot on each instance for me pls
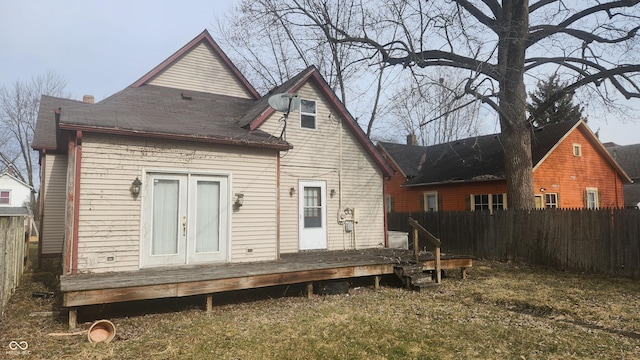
(163, 112)
(13, 211)
(150, 109)
(45, 133)
(263, 103)
(471, 159)
(628, 156)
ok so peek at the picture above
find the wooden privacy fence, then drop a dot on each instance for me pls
(603, 241)
(12, 255)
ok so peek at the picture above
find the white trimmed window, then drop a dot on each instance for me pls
(497, 201)
(5, 197)
(551, 200)
(430, 201)
(488, 202)
(308, 114)
(591, 198)
(577, 150)
(480, 202)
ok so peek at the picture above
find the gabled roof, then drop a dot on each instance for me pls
(206, 38)
(162, 112)
(261, 111)
(44, 137)
(628, 156)
(148, 110)
(406, 158)
(480, 158)
(472, 159)
(6, 174)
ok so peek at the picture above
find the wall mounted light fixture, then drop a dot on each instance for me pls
(332, 193)
(136, 185)
(239, 200)
(292, 191)
(543, 189)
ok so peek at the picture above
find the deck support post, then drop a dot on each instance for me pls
(309, 290)
(416, 248)
(209, 305)
(438, 266)
(376, 282)
(463, 273)
(73, 318)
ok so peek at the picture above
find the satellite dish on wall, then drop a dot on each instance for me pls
(284, 102)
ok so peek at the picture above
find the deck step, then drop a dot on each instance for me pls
(414, 277)
(419, 283)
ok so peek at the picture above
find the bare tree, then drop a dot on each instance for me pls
(434, 110)
(19, 103)
(273, 40)
(591, 44)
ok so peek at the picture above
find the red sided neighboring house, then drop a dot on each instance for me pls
(571, 169)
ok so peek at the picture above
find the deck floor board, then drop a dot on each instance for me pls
(303, 261)
(311, 266)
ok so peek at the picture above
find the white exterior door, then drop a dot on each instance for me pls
(185, 219)
(312, 215)
(208, 217)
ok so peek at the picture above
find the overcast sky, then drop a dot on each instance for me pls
(100, 47)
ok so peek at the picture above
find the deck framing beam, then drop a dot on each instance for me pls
(143, 292)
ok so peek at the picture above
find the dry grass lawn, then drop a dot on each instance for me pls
(502, 311)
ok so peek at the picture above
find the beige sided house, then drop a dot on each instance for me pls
(222, 177)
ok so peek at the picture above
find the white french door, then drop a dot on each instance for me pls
(207, 225)
(185, 219)
(313, 215)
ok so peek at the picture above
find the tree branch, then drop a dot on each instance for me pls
(480, 16)
(586, 36)
(536, 36)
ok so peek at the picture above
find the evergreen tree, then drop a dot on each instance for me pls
(549, 106)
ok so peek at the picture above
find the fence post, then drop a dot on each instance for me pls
(438, 268)
(415, 244)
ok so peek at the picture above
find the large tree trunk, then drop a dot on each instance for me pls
(516, 138)
(517, 165)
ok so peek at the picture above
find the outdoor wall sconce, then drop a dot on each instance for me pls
(332, 193)
(292, 191)
(543, 189)
(239, 200)
(135, 187)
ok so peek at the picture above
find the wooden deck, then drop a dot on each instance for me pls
(303, 267)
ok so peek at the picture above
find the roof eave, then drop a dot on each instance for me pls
(156, 135)
(449, 182)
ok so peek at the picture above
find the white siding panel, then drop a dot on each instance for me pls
(19, 193)
(315, 156)
(55, 174)
(201, 70)
(109, 231)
